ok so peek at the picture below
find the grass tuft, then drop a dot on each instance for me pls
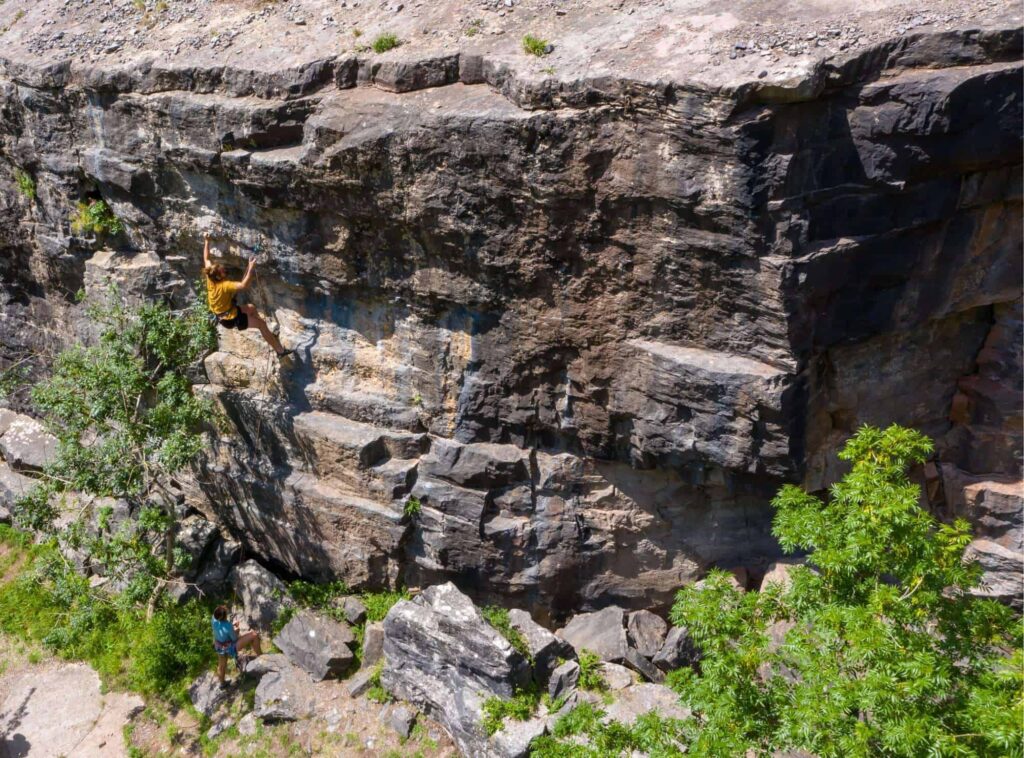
(384, 42)
(535, 46)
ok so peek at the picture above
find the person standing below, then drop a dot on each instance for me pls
(227, 641)
(220, 296)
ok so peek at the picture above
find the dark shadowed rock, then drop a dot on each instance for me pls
(263, 595)
(442, 656)
(545, 648)
(207, 694)
(678, 650)
(401, 718)
(317, 644)
(563, 679)
(602, 632)
(352, 608)
(646, 632)
(642, 666)
(360, 682)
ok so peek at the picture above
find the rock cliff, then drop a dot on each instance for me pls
(588, 315)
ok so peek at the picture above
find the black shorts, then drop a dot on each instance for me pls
(239, 322)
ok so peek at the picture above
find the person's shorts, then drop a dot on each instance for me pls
(239, 322)
(226, 649)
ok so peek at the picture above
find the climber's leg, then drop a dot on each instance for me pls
(250, 639)
(256, 320)
(222, 667)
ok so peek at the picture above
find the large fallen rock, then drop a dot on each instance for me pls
(545, 648)
(317, 644)
(25, 444)
(603, 633)
(263, 595)
(635, 701)
(1004, 571)
(13, 485)
(678, 650)
(207, 694)
(646, 632)
(441, 655)
(284, 693)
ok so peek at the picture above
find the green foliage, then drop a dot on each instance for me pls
(384, 42)
(49, 602)
(95, 217)
(379, 603)
(590, 672)
(520, 707)
(883, 650)
(310, 595)
(650, 734)
(123, 410)
(498, 618)
(412, 507)
(25, 183)
(473, 27)
(376, 691)
(535, 46)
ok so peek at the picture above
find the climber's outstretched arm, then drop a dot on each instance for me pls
(247, 279)
(206, 249)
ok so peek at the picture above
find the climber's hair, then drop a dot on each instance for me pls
(215, 273)
(221, 611)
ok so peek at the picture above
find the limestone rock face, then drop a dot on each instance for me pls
(442, 656)
(561, 336)
(318, 645)
(603, 633)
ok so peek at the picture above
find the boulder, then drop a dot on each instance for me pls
(207, 694)
(373, 643)
(513, 740)
(643, 666)
(13, 485)
(646, 632)
(1003, 579)
(602, 633)
(563, 680)
(352, 608)
(545, 648)
(195, 535)
(219, 728)
(616, 677)
(635, 701)
(263, 595)
(780, 572)
(317, 644)
(247, 725)
(401, 718)
(677, 651)
(442, 656)
(284, 692)
(361, 682)
(26, 445)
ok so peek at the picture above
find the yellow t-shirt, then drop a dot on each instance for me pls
(220, 297)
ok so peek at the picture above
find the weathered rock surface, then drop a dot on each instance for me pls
(602, 633)
(591, 319)
(317, 644)
(544, 647)
(263, 595)
(563, 679)
(677, 651)
(207, 694)
(442, 656)
(646, 632)
(25, 444)
(284, 693)
(635, 701)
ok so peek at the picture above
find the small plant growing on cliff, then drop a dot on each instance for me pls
(384, 42)
(474, 27)
(412, 507)
(96, 217)
(590, 672)
(26, 184)
(876, 647)
(379, 603)
(535, 46)
(498, 618)
(520, 707)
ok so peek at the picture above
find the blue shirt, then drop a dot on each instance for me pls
(223, 631)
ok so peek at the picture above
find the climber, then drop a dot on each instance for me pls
(226, 641)
(220, 295)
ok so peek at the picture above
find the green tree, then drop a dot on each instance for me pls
(875, 648)
(127, 422)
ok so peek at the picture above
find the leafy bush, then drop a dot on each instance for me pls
(498, 618)
(535, 46)
(379, 603)
(96, 217)
(412, 507)
(650, 734)
(885, 652)
(310, 595)
(520, 707)
(25, 183)
(590, 672)
(385, 42)
(376, 691)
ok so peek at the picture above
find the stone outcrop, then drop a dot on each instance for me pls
(603, 633)
(263, 595)
(284, 693)
(318, 645)
(442, 656)
(588, 320)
